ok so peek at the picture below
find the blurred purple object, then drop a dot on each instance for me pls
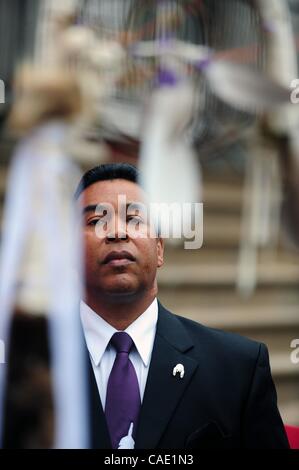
(269, 26)
(203, 64)
(166, 77)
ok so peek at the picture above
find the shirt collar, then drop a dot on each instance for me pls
(143, 330)
(98, 332)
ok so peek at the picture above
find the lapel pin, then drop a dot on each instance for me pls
(179, 369)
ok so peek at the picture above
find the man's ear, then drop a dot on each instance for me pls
(160, 251)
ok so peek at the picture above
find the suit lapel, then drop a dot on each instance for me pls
(163, 391)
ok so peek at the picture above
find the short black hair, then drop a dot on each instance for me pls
(107, 171)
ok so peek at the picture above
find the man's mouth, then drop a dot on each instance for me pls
(119, 258)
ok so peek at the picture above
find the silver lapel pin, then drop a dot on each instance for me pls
(179, 369)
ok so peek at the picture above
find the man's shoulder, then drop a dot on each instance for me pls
(216, 340)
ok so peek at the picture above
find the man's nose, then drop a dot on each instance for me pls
(113, 237)
(117, 231)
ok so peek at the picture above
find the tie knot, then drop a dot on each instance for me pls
(122, 342)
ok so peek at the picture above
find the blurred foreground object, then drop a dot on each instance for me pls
(42, 387)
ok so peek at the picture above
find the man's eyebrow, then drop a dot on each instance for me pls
(134, 205)
(99, 207)
(92, 208)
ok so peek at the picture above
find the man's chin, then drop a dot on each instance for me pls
(122, 289)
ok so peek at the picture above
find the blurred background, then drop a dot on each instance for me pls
(245, 278)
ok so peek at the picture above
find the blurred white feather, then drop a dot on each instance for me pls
(238, 85)
(170, 170)
(39, 232)
(182, 50)
(245, 88)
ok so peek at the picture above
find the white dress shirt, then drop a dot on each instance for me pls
(98, 334)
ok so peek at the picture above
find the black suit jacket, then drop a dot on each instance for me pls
(226, 399)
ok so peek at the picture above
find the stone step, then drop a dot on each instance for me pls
(176, 253)
(286, 378)
(288, 397)
(241, 317)
(3, 178)
(221, 273)
(282, 367)
(223, 298)
(289, 410)
(222, 197)
(222, 230)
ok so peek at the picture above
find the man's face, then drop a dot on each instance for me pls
(121, 256)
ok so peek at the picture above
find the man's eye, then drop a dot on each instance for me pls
(93, 222)
(134, 217)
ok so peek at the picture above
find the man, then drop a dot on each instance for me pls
(160, 380)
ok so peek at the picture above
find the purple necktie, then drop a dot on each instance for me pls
(123, 396)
